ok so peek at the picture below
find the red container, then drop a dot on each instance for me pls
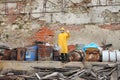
(56, 55)
(71, 48)
(7, 54)
(44, 52)
(13, 55)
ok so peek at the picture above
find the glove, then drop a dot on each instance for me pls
(67, 31)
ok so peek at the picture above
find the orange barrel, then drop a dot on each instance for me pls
(92, 54)
(21, 54)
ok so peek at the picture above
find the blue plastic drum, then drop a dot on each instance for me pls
(31, 53)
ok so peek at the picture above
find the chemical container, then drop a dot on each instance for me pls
(111, 56)
(56, 55)
(71, 48)
(76, 55)
(4, 52)
(92, 54)
(13, 55)
(21, 54)
(31, 53)
(45, 52)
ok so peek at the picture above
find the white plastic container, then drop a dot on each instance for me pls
(111, 56)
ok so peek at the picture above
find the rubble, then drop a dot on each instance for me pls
(95, 72)
(23, 23)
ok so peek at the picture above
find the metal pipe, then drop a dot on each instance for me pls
(38, 76)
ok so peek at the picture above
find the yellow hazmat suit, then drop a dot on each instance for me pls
(62, 41)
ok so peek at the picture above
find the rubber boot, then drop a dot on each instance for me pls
(62, 57)
(66, 57)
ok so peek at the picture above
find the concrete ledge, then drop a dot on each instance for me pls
(27, 65)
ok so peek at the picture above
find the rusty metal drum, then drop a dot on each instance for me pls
(45, 52)
(92, 55)
(21, 54)
(13, 55)
(76, 55)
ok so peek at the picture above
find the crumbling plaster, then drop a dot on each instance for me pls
(53, 14)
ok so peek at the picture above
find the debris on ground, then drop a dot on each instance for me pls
(95, 72)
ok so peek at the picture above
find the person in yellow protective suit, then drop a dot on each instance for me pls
(62, 43)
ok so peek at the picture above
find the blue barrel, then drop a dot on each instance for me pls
(31, 53)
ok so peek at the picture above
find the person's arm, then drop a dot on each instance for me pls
(68, 33)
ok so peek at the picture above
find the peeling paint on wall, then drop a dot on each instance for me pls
(64, 11)
(111, 17)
